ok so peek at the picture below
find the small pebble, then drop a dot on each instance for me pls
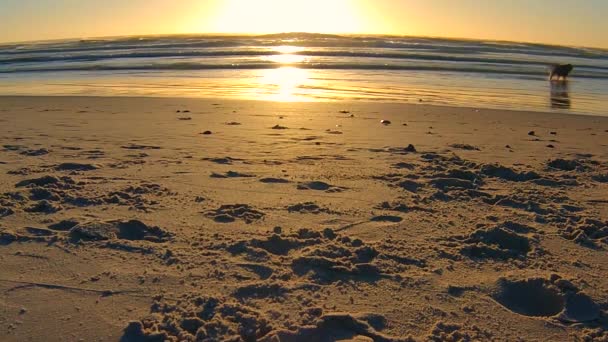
(385, 122)
(207, 132)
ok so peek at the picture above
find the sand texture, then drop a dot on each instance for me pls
(134, 219)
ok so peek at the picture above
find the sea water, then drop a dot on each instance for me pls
(312, 67)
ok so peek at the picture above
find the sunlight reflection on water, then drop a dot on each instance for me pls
(290, 84)
(283, 84)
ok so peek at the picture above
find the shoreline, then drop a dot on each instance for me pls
(344, 103)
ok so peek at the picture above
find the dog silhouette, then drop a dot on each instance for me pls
(560, 70)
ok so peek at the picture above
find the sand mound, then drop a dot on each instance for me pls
(590, 233)
(44, 207)
(496, 243)
(442, 332)
(322, 257)
(42, 181)
(110, 230)
(336, 327)
(231, 212)
(452, 183)
(199, 318)
(503, 172)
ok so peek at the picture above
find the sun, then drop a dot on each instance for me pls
(272, 16)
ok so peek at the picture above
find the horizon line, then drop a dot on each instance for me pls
(3, 43)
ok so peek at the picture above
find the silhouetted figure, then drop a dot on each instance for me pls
(560, 97)
(560, 70)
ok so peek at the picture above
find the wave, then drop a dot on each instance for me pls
(185, 66)
(319, 51)
(262, 53)
(447, 46)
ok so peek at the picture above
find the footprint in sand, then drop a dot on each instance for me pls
(4, 212)
(386, 218)
(140, 147)
(64, 225)
(465, 147)
(35, 153)
(231, 174)
(76, 167)
(320, 186)
(407, 166)
(224, 161)
(307, 208)
(539, 297)
(271, 180)
(37, 231)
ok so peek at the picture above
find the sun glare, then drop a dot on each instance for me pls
(282, 84)
(272, 16)
(288, 49)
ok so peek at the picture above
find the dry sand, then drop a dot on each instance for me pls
(120, 220)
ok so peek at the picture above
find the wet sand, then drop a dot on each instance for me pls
(141, 219)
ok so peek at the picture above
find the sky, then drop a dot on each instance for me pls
(561, 22)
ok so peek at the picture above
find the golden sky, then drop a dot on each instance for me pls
(564, 22)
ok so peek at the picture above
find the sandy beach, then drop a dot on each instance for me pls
(151, 219)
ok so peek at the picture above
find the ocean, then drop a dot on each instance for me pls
(312, 67)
